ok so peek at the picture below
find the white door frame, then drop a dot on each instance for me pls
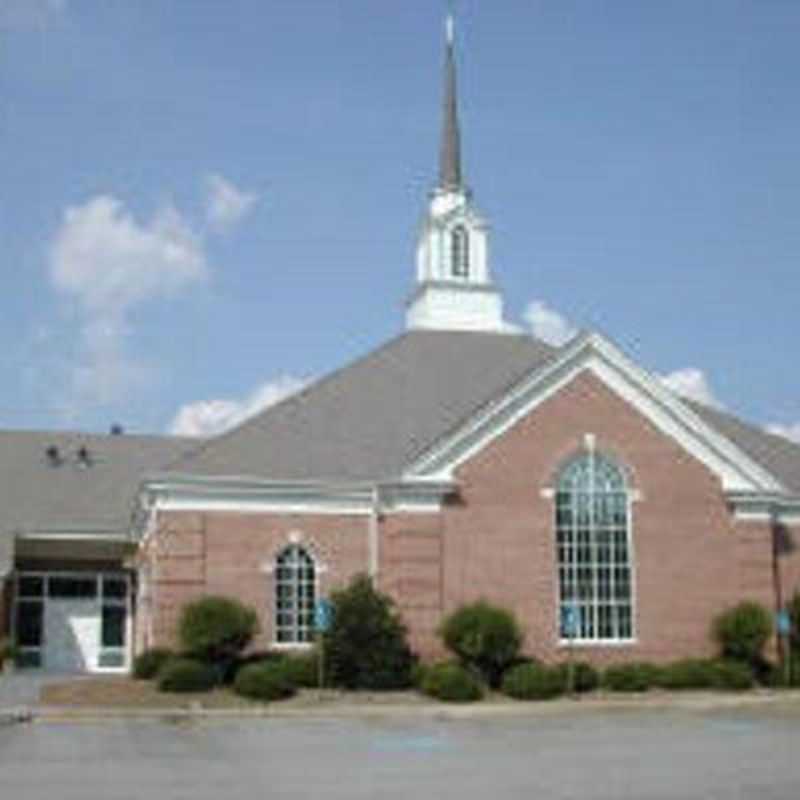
(101, 601)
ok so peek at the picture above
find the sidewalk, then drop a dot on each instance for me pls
(787, 701)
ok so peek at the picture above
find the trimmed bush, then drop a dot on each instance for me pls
(186, 675)
(365, 646)
(216, 630)
(451, 683)
(734, 675)
(266, 681)
(149, 662)
(534, 682)
(742, 632)
(633, 677)
(585, 678)
(484, 638)
(418, 673)
(689, 673)
(302, 669)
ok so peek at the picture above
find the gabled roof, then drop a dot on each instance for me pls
(42, 493)
(779, 456)
(372, 418)
(375, 418)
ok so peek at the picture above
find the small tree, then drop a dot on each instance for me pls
(484, 637)
(742, 632)
(365, 646)
(217, 629)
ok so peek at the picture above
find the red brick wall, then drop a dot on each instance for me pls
(788, 555)
(194, 554)
(496, 540)
(691, 559)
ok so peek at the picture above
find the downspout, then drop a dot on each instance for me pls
(776, 532)
(374, 535)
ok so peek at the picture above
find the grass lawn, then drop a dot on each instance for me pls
(124, 692)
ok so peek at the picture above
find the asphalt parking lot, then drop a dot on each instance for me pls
(614, 754)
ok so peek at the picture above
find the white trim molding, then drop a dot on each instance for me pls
(765, 507)
(593, 353)
(250, 495)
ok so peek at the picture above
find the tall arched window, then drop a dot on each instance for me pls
(459, 251)
(594, 551)
(295, 592)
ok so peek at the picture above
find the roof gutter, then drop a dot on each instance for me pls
(778, 507)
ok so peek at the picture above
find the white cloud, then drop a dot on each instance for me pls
(26, 14)
(547, 324)
(210, 417)
(109, 264)
(692, 383)
(226, 205)
(790, 431)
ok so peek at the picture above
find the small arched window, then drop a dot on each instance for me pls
(459, 251)
(594, 551)
(295, 594)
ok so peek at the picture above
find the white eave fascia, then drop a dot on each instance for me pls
(590, 351)
(70, 532)
(765, 505)
(232, 493)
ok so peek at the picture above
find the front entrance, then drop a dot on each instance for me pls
(72, 622)
(71, 635)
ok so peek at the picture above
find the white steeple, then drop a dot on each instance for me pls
(454, 286)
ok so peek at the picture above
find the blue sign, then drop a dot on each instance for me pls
(783, 622)
(570, 621)
(323, 615)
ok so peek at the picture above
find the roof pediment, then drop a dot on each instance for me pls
(735, 468)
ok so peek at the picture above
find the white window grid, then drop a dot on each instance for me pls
(295, 595)
(593, 542)
(459, 251)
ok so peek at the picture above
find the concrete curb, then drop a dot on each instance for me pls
(686, 702)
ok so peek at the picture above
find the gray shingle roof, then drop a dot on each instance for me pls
(372, 418)
(366, 421)
(777, 455)
(35, 495)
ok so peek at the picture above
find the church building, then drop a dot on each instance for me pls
(461, 460)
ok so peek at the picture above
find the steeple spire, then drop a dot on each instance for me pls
(450, 153)
(454, 289)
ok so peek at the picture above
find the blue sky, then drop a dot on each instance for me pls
(203, 204)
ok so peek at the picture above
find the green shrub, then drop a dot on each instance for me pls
(633, 677)
(534, 682)
(148, 663)
(302, 669)
(418, 673)
(266, 681)
(365, 646)
(216, 630)
(742, 632)
(732, 675)
(484, 638)
(585, 678)
(688, 673)
(452, 683)
(186, 675)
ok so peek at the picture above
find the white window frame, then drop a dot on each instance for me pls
(294, 644)
(98, 577)
(460, 252)
(630, 496)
